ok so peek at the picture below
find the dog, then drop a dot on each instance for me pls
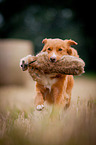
(57, 88)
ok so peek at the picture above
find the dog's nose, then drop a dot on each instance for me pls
(52, 59)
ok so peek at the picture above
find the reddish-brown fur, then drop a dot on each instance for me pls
(57, 88)
(60, 93)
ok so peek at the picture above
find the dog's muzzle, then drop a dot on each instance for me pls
(53, 59)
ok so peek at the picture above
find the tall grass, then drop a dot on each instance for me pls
(74, 126)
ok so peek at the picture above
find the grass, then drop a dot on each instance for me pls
(21, 124)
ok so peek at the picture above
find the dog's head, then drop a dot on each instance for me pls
(56, 48)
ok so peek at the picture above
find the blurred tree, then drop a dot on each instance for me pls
(27, 19)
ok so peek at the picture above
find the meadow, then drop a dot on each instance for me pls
(22, 124)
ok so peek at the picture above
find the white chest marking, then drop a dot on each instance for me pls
(48, 82)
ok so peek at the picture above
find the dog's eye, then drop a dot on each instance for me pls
(60, 49)
(49, 48)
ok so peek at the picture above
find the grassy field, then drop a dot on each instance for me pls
(22, 124)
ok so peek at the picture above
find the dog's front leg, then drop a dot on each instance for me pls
(58, 91)
(57, 95)
(39, 101)
(58, 106)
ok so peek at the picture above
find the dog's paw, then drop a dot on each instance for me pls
(40, 107)
(24, 61)
(23, 65)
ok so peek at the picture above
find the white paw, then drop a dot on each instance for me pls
(25, 59)
(40, 107)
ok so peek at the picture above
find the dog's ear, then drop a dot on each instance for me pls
(44, 41)
(72, 51)
(70, 42)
